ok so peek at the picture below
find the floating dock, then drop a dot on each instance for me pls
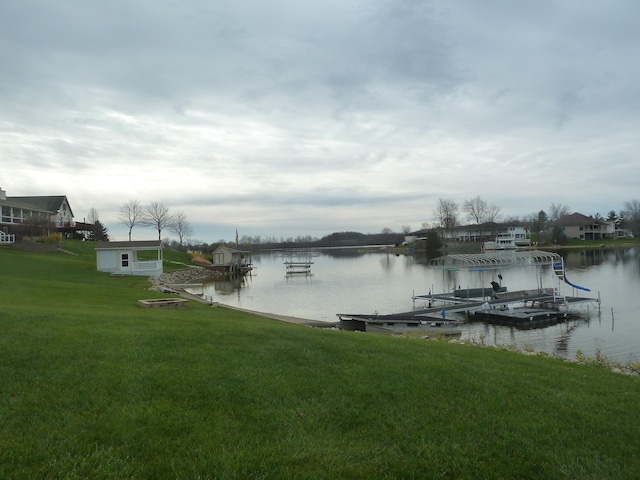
(419, 323)
(522, 309)
(522, 317)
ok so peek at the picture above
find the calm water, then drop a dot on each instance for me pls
(348, 281)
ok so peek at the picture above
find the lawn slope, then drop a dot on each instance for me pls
(93, 386)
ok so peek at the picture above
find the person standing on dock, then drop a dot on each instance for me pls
(496, 288)
(444, 314)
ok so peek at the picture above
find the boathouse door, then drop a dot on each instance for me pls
(125, 262)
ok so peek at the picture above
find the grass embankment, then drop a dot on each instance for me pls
(93, 386)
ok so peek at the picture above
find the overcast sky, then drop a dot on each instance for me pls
(286, 118)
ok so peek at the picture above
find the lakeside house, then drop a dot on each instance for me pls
(580, 227)
(503, 235)
(35, 216)
(143, 258)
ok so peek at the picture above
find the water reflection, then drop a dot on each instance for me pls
(226, 285)
(357, 281)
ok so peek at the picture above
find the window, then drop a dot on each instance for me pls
(125, 260)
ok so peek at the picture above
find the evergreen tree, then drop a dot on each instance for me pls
(99, 232)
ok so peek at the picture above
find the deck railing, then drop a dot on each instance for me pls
(7, 238)
(147, 265)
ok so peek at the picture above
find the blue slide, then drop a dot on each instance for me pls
(558, 268)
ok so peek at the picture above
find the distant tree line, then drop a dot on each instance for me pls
(447, 214)
(476, 210)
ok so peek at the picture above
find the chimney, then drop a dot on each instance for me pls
(3, 194)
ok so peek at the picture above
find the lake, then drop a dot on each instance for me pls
(353, 281)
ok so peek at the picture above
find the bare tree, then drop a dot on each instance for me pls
(406, 229)
(93, 216)
(131, 214)
(631, 215)
(476, 209)
(558, 210)
(157, 216)
(446, 213)
(181, 227)
(494, 213)
(386, 235)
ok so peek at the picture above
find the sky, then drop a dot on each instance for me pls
(285, 118)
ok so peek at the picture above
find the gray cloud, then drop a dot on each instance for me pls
(338, 115)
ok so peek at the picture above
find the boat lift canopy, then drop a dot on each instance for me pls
(495, 260)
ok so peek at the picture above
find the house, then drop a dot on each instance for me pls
(473, 233)
(227, 259)
(512, 236)
(42, 212)
(415, 236)
(624, 233)
(581, 227)
(130, 258)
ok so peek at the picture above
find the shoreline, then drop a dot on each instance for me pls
(173, 283)
(284, 318)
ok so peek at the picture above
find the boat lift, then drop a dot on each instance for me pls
(499, 260)
(505, 259)
(296, 268)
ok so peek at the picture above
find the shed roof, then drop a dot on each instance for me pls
(231, 249)
(143, 244)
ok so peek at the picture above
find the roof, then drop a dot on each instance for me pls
(232, 250)
(12, 202)
(573, 220)
(499, 259)
(122, 245)
(44, 203)
(473, 227)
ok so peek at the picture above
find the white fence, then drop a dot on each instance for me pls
(7, 238)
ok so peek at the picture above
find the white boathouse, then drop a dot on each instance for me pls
(142, 258)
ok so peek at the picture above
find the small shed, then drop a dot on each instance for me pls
(142, 258)
(231, 260)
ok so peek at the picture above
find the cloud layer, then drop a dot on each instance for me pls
(284, 118)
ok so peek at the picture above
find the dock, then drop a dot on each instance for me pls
(491, 304)
(522, 317)
(523, 309)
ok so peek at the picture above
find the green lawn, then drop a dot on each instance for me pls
(93, 386)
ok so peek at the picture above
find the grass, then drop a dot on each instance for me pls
(92, 386)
